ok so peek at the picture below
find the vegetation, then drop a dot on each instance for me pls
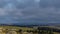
(39, 30)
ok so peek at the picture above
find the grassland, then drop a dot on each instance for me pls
(15, 28)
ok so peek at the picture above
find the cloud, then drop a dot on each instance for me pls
(37, 0)
(3, 12)
(29, 11)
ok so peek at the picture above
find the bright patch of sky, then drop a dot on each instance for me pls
(9, 6)
(37, 0)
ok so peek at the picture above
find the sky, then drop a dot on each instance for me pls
(29, 11)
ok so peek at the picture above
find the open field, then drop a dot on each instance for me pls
(33, 30)
(14, 29)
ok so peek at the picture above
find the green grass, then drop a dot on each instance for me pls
(16, 28)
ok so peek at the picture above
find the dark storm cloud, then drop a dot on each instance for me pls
(29, 11)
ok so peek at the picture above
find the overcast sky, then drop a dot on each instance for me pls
(29, 11)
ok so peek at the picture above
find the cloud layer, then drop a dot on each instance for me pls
(29, 11)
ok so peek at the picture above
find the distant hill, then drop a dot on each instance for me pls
(29, 25)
